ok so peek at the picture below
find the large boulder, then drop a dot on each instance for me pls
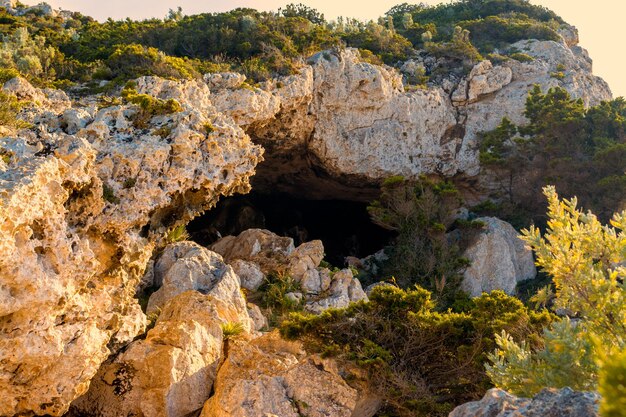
(171, 372)
(79, 218)
(186, 266)
(270, 376)
(499, 259)
(548, 403)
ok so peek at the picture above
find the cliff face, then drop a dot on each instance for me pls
(89, 192)
(354, 121)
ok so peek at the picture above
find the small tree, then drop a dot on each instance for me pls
(586, 262)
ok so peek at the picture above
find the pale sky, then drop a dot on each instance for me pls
(602, 23)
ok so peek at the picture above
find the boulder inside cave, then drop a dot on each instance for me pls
(344, 227)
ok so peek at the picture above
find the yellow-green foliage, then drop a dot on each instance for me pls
(177, 234)
(612, 386)
(231, 330)
(421, 362)
(586, 262)
(132, 61)
(9, 108)
(149, 106)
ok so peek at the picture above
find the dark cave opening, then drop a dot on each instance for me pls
(344, 227)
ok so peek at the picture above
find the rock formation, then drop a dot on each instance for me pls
(499, 259)
(257, 254)
(80, 215)
(94, 187)
(548, 403)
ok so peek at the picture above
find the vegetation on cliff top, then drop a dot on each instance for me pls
(60, 51)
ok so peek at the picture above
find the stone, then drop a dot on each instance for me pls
(548, 403)
(499, 259)
(305, 258)
(186, 266)
(344, 289)
(259, 321)
(171, 372)
(270, 376)
(261, 246)
(249, 273)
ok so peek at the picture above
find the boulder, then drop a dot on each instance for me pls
(548, 403)
(270, 376)
(249, 273)
(171, 372)
(256, 245)
(344, 289)
(186, 266)
(499, 259)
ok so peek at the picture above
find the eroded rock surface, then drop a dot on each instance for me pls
(548, 403)
(169, 373)
(270, 376)
(80, 215)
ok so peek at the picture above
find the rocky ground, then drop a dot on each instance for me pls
(90, 198)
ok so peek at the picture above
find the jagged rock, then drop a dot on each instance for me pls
(259, 321)
(344, 289)
(171, 372)
(499, 259)
(548, 403)
(260, 246)
(249, 273)
(72, 250)
(483, 79)
(223, 80)
(188, 266)
(270, 376)
(306, 258)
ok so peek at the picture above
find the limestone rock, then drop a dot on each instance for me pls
(171, 372)
(188, 266)
(259, 321)
(80, 216)
(483, 79)
(344, 289)
(260, 246)
(499, 259)
(305, 258)
(249, 273)
(269, 376)
(548, 403)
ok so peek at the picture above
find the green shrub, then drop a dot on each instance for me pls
(421, 213)
(273, 296)
(522, 57)
(133, 61)
(231, 330)
(420, 361)
(177, 234)
(149, 106)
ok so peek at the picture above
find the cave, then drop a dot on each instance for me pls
(343, 226)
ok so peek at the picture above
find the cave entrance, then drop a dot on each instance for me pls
(344, 227)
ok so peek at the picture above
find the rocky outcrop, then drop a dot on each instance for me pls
(257, 251)
(187, 266)
(499, 259)
(354, 121)
(270, 376)
(169, 373)
(80, 216)
(548, 403)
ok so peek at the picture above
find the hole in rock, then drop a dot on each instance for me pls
(344, 227)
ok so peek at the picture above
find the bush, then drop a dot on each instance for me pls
(133, 61)
(612, 386)
(585, 260)
(421, 213)
(148, 106)
(421, 362)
